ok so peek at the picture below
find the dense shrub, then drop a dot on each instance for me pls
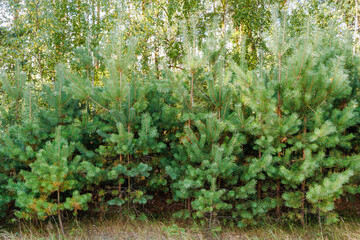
(233, 144)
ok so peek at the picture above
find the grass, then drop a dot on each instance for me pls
(128, 228)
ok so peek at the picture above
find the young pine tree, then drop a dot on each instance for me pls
(300, 121)
(49, 188)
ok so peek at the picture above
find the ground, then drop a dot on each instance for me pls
(158, 224)
(141, 228)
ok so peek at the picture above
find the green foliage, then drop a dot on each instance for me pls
(138, 115)
(208, 165)
(54, 171)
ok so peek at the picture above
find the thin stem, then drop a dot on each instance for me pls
(59, 212)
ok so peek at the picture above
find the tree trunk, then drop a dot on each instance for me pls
(59, 213)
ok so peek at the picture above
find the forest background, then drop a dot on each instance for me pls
(229, 112)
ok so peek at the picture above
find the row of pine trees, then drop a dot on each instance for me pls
(230, 143)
